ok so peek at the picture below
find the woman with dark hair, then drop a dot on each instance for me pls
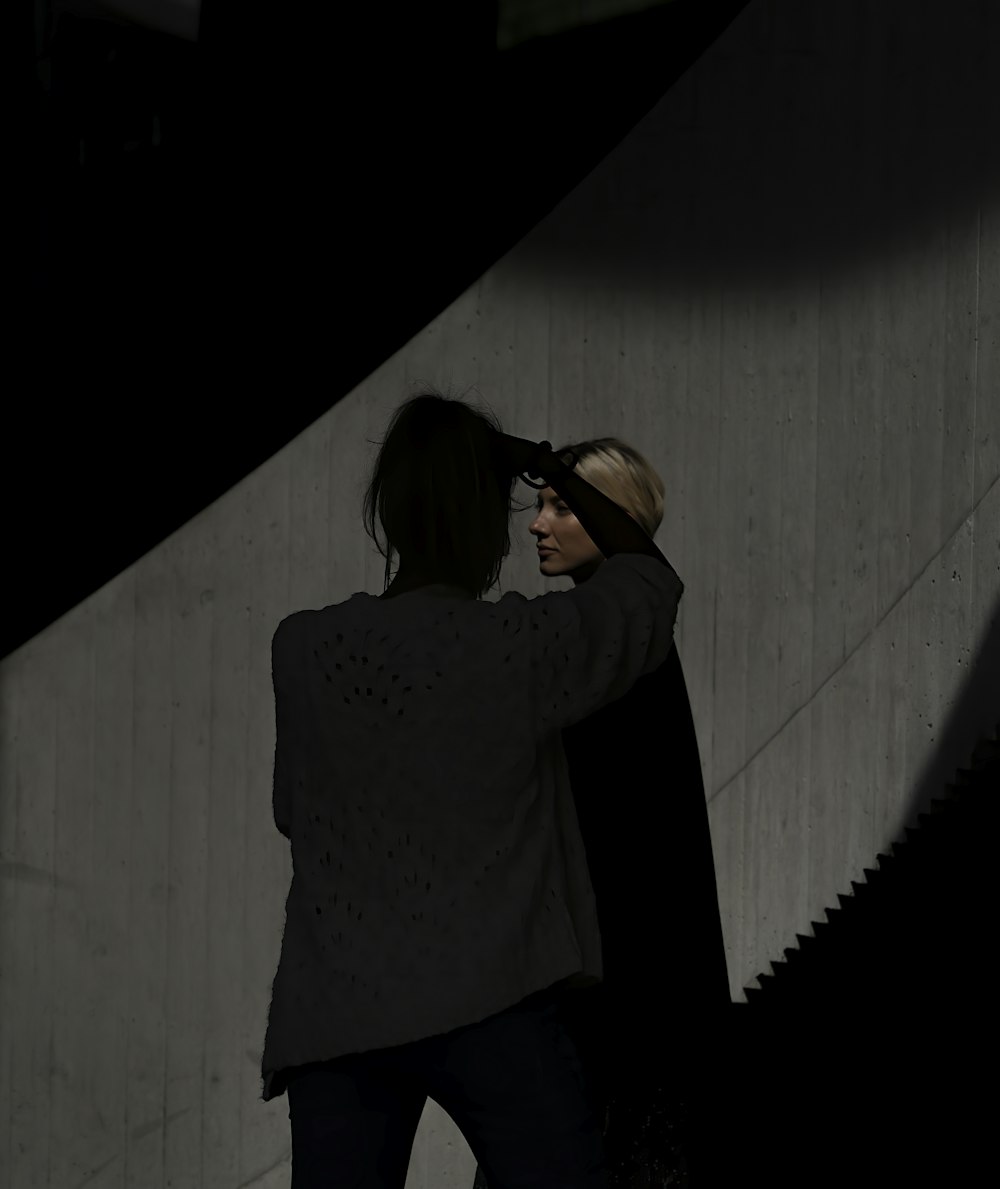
(442, 912)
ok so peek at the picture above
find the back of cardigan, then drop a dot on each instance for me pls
(439, 874)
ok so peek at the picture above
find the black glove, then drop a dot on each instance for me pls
(520, 456)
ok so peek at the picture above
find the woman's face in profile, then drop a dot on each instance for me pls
(570, 549)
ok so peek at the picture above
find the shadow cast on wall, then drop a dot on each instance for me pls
(809, 139)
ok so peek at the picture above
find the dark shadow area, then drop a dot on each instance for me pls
(223, 239)
(812, 139)
(857, 1060)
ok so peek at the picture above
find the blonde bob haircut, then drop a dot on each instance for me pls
(623, 475)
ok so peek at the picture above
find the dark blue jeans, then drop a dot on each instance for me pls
(513, 1083)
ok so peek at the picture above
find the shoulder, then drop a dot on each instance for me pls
(290, 628)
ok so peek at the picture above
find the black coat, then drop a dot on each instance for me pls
(647, 1035)
(650, 1032)
(635, 771)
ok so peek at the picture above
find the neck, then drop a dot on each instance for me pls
(406, 584)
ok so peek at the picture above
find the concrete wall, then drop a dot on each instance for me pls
(757, 290)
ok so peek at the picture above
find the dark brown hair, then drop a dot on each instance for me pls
(434, 447)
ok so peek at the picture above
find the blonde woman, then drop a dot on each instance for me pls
(442, 910)
(647, 1032)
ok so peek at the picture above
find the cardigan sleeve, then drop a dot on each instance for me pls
(590, 645)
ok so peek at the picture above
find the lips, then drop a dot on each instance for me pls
(543, 551)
